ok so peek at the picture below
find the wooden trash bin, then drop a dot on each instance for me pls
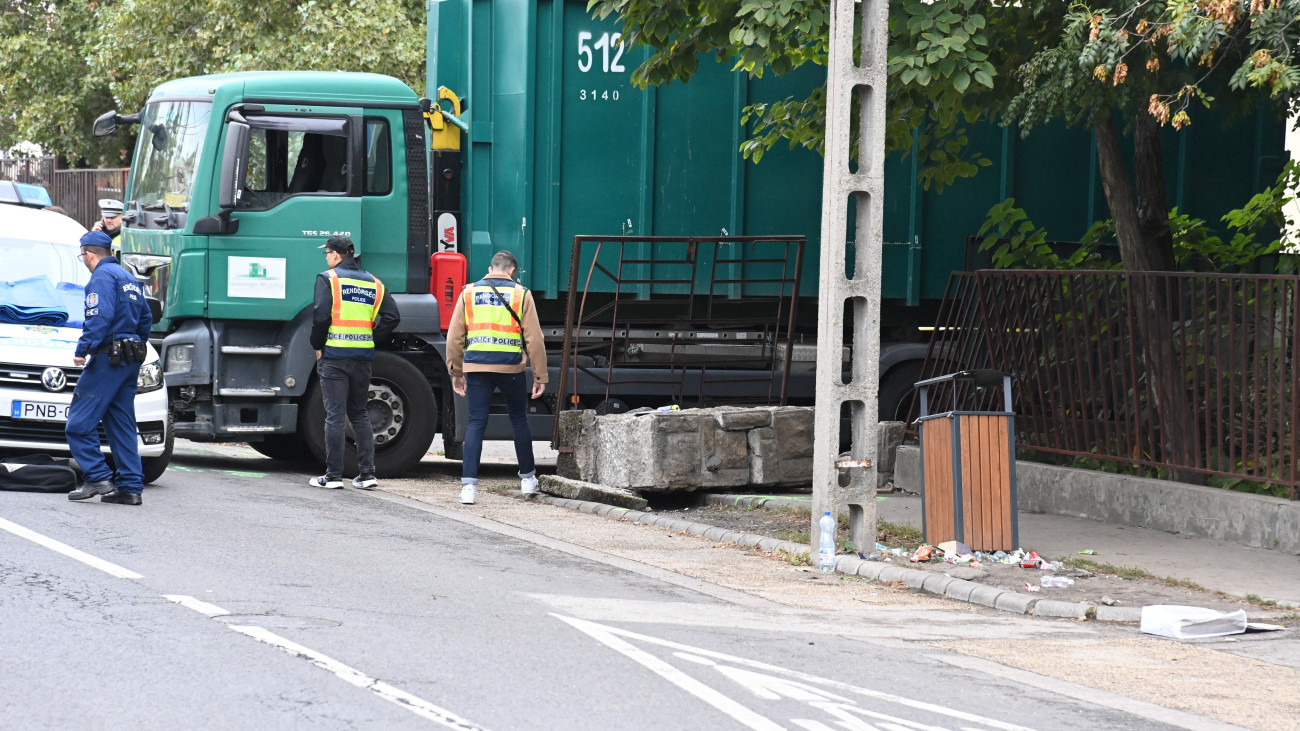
(968, 467)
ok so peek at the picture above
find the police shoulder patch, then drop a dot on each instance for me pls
(92, 299)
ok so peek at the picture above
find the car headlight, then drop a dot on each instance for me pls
(180, 358)
(151, 377)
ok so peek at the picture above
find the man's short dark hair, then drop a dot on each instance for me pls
(99, 251)
(504, 261)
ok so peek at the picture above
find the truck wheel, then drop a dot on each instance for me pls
(154, 467)
(896, 401)
(282, 447)
(403, 414)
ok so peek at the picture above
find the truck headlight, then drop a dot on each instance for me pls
(180, 358)
(151, 377)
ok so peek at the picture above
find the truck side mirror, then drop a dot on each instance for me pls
(234, 165)
(106, 123)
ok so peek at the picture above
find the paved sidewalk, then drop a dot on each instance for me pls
(1217, 565)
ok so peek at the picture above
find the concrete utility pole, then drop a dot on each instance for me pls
(851, 88)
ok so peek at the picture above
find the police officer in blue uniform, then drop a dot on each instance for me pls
(112, 347)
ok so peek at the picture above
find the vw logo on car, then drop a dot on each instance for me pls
(54, 379)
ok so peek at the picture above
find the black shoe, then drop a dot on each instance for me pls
(91, 489)
(121, 498)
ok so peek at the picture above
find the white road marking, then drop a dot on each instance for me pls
(790, 684)
(189, 602)
(418, 706)
(107, 567)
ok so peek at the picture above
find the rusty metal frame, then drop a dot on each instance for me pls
(703, 307)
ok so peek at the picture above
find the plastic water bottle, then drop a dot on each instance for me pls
(826, 548)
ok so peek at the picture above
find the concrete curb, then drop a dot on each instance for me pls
(927, 581)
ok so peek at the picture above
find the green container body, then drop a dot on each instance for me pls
(562, 144)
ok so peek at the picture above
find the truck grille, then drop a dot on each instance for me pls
(28, 377)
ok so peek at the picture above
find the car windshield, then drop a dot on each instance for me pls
(167, 153)
(41, 281)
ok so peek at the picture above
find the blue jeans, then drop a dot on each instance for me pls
(106, 393)
(514, 388)
(345, 390)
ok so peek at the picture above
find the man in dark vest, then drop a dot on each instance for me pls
(352, 312)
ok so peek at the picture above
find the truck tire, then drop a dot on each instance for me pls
(282, 447)
(896, 402)
(403, 413)
(153, 467)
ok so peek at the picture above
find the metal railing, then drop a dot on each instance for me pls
(694, 318)
(1195, 374)
(77, 192)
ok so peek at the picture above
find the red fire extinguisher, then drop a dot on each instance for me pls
(450, 270)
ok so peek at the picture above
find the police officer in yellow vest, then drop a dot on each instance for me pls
(110, 222)
(495, 323)
(352, 313)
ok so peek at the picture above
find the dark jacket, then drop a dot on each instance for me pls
(115, 308)
(323, 303)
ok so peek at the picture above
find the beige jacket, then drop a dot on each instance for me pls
(534, 343)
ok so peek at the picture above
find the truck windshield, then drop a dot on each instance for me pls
(167, 153)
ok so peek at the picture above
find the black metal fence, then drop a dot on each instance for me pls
(77, 192)
(1188, 373)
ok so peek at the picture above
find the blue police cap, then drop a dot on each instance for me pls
(97, 238)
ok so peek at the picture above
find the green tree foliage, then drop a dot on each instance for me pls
(66, 61)
(1120, 66)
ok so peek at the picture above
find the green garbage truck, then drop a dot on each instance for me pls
(534, 135)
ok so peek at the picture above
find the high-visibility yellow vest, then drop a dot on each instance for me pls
(494, 337)
(356, 296)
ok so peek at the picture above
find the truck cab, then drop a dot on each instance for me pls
(237, 181)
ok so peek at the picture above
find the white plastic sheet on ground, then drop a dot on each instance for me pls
(1181, 623)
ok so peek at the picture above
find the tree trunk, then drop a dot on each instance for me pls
(1146, 245)
(1152, 209)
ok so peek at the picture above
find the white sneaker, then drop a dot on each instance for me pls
(365, 481)
(467, 494)
(329, 483)
(528, 486)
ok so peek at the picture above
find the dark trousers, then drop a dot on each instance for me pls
(514, 388)
(345, 388)
(106, 393)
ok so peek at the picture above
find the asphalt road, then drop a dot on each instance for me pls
(238, 598)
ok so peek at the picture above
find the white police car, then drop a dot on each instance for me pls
(38, 258)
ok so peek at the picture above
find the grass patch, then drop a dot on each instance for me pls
(1260, 601)
(1124, 572)
(794, 536)
(1184, 583)
(898, 536)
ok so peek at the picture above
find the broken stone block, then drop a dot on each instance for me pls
(796, 471)
(794, 431)
(730, 418)
(579, 490)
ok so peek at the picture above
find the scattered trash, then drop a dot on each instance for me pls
(674, 407)
(954, 548)
(1031, 587)
(1180, 623)
(1032, 561)
(1088, 552)
(1263, 627)
(1108, 601)
(926, 553)
(875, 556)
(1056, 581)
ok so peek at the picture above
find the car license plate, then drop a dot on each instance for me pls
(38, 411)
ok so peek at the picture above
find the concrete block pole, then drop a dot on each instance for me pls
(853, 86)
